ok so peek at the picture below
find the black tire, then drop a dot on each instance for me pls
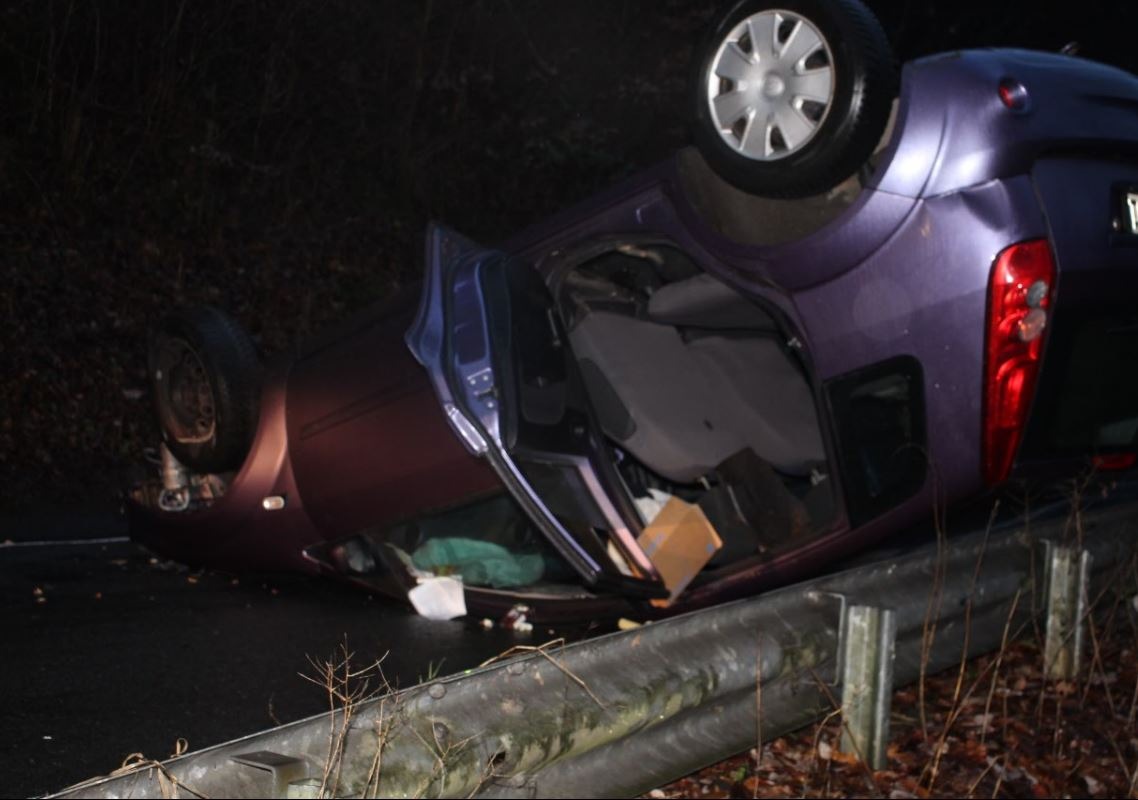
(206, 377)
(863, 83)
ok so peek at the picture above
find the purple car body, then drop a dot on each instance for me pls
(892, 293)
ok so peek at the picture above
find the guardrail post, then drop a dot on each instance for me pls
(870, 635)
(1068, 570)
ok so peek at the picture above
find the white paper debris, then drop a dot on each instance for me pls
(439, 598)
(649, 507)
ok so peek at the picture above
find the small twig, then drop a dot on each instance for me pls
(1057, 729)
(870, 783)
(817, 738)
(1074, 770)
(1035, 610)
(999, 783)
(955, 712)
(999, 662)
(440, 753)
(522, 648)
(1134, 629)
(758, 717)
(345, 689)
(1118, 754)
(940, 748)
(273, 713)
(1097, 660)
(167, 783)
(381, 734)
(976, 783)
(932, 609)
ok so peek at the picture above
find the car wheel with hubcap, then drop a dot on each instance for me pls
(791, 96)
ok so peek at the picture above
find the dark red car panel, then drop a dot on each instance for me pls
(369, 442)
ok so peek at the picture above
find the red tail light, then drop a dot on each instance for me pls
(1113, 461)
(1019, 297)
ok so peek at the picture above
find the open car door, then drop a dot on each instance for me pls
(489, 334)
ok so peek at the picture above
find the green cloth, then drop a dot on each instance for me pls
(480, 563)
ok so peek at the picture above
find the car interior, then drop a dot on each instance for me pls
(702, 394)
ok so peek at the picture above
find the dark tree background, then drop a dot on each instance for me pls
(279, 158)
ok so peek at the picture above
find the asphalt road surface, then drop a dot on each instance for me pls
(107, 651)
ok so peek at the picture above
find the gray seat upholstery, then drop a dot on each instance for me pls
(768, 401)
(685, 407)
(664, 388)
(704, 302)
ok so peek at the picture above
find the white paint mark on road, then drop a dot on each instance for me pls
(66, 542)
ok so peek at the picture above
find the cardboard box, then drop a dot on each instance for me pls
(679, 542)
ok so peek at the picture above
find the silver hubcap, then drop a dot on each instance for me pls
(770, 85)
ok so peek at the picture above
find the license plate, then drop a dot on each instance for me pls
(1130, 212)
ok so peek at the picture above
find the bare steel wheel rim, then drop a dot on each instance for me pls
(188, 397)
(770, 85)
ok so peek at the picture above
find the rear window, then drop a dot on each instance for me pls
(1088, 398)
(879, 412)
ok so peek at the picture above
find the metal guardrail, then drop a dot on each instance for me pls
(623, 713)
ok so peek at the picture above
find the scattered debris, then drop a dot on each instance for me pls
(439, 597)
(515, 619)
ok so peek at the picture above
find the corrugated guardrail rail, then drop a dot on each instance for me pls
(620, 714)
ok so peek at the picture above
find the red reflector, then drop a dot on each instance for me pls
(1012, 364)
(1013, 94)
(1115, 461)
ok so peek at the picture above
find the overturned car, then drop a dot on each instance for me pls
(743, 364)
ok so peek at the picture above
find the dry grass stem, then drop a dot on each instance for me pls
(758, 713)
(346, 688)
(541, 650)
(938, 752)
(999, 662)
(168, 784)
(932, 609)
(869, 781)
